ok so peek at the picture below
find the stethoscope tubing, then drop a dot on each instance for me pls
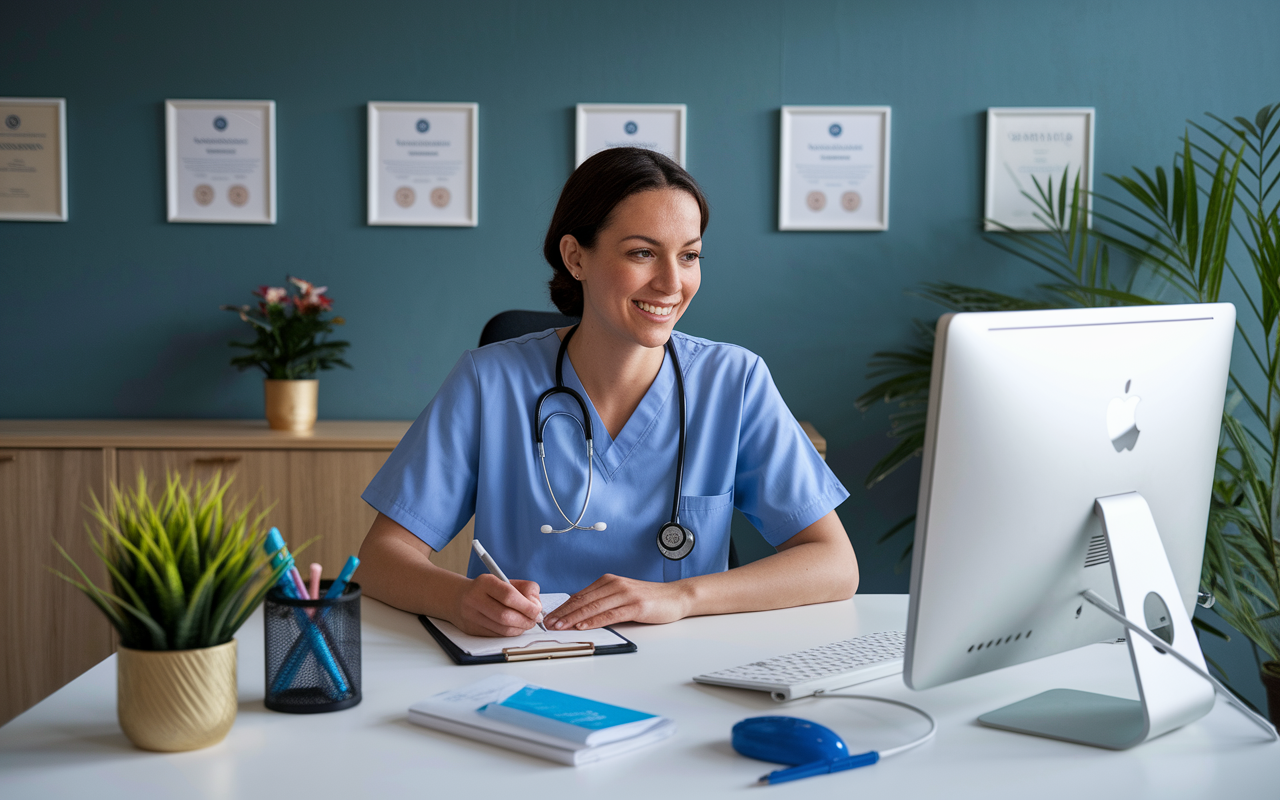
(540, 423)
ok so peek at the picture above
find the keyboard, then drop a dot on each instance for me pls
(819, 669)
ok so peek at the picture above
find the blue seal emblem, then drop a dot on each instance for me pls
(631, 128)
(835, 129)
(12, 122)
(423, 126)
(220, 123)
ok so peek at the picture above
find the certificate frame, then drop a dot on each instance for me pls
(174, 183)
(590, 114)
(881, 118)
(996, 198)
(471, 216)
(11, 127)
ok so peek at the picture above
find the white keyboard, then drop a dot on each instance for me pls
(831, 666)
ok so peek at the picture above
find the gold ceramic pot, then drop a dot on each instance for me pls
(173, 700)
(291, 405)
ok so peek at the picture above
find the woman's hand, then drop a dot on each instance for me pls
(614, 599)
(492, 607)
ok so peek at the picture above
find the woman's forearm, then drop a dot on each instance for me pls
(396, 568)
(817, 565)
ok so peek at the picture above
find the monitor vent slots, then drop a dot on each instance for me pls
(1098, 552)
(973, 648)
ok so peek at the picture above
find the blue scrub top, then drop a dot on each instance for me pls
(472, 450)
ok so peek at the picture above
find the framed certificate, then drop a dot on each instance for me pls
(834, 168)
(1025, 145)
(652, 127)
(220, 160)
(33, 159)
(424, 164)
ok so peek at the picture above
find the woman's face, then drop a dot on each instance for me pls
(643, 270)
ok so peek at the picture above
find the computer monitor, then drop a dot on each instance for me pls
(1040, 425)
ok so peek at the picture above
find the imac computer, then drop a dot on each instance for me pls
(1068, 462)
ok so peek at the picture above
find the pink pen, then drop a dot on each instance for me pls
(298, 584)
(316, 569)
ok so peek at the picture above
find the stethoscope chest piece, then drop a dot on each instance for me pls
(675, 541)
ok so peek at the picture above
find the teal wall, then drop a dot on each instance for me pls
(114, 314)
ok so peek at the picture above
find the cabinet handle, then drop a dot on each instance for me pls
(218, 460)
(6, 458)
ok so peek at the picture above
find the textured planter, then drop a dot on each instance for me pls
(1271, 680)
(291, 405)
(173, 700)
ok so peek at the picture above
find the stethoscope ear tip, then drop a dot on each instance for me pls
(599, 526)
(546, 529)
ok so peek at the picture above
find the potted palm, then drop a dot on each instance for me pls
(185, 572)
(1173, 229)
(291, 345)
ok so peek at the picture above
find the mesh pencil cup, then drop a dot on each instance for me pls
(313, 651)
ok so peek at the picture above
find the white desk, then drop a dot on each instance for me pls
(70, 745)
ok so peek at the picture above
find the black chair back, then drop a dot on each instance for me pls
(510, 324)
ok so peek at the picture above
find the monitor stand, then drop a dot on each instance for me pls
(1170, 694)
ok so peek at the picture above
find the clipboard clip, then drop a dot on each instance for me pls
(544, 650)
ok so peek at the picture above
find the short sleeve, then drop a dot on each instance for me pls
(428, 484)
(782, 485)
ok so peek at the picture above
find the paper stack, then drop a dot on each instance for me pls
(512, 713)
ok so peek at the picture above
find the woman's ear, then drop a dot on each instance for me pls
(571, 252)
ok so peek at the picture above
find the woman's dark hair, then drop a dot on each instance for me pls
(589, 196)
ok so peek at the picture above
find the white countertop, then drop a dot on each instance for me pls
(70, 744)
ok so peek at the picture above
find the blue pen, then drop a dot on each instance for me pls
(821, 768)
(293, 662)
(275, 546)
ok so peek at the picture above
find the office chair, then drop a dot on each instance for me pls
(513, 323)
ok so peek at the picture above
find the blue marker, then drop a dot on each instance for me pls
(275, 546)
(293, 662)
(340, 585)
(821, 768)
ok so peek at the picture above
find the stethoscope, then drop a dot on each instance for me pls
(674, 540)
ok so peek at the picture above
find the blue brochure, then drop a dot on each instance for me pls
(568, 717)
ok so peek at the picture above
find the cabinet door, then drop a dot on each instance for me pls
(260, 476)
(51, 633)
(325, 504)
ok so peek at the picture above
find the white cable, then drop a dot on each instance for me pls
(1164, 647)
(893, 751)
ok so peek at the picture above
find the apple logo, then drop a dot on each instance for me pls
(1122, 421)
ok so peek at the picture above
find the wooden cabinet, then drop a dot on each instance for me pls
(49, 632)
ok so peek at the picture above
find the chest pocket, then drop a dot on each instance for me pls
(708, 516)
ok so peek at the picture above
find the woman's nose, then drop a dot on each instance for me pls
(667, 280)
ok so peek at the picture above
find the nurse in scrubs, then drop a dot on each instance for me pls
(624, 244)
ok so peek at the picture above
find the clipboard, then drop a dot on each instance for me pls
(531, 652)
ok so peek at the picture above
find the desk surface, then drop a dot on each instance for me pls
(70, 744)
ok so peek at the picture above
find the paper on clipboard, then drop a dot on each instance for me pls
(491, 646)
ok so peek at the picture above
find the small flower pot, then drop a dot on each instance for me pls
(175, 700)
(1271, 680)
(291, 405)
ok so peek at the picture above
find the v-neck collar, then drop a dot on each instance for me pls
(612, 453)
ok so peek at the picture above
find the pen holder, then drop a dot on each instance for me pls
(313, 651)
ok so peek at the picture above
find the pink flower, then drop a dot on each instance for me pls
(273, 295)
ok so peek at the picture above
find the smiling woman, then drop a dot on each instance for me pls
(678, 432)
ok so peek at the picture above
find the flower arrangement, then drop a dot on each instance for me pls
(291, 330)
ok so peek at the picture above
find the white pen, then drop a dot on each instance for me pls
(493, 567)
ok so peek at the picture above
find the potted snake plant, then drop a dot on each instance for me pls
(185, 572)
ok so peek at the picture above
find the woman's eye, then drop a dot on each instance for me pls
(643, 252)
(691, 258)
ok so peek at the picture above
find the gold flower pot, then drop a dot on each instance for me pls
(174, 700)
(291, 405)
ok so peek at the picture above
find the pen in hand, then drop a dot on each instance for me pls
(493, 568)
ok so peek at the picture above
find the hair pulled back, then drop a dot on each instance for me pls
(589, 197)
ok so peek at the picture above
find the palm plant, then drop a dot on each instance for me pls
(1173, 229)
(185, 572)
